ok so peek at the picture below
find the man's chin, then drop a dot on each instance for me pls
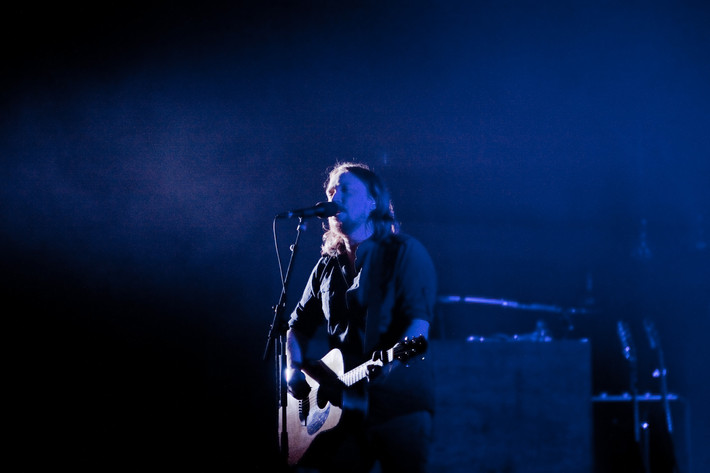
(341, 226)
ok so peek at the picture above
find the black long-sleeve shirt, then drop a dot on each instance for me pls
(392, 283)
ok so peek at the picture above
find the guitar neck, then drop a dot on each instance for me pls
(356, 374)
(402, 351)
(360, 372)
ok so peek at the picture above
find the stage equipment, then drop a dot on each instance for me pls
(513, 406)
(565, 314)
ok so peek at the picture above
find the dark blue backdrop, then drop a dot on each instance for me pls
(552, 153)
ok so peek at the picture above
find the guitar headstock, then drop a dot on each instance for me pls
(409, 348)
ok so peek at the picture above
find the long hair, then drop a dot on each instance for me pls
(382, 218)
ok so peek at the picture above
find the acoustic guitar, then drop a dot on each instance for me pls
(310, 417)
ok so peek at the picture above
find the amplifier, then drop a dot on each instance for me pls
(512, 406)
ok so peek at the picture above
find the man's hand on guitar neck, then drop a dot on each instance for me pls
(374, 369)
(380, 366)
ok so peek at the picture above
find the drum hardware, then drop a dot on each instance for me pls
(455, 299)
(566, 313)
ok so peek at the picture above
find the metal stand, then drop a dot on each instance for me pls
(278, 330)
(655, 344)
(628, 350)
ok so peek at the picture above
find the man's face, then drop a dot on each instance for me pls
(350, 193)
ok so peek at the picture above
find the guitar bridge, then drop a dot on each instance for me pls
(304, 407)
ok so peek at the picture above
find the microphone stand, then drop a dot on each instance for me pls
(278, 329)
(655, 344)
(641, 427)
(629, 352)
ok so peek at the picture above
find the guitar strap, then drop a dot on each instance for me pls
(381, 290)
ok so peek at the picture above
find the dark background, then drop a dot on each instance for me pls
(550, 153)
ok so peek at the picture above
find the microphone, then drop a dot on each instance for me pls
(321, 210)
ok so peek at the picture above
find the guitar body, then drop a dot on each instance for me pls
(305, 419)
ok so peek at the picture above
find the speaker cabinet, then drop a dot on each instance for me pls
(512, 407)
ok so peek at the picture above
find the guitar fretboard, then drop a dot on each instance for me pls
(360, 372)
(356, 374)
